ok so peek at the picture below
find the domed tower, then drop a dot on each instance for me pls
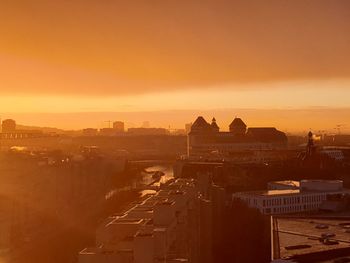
(214, 125)
(238, 127)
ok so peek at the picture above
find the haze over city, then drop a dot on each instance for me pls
(226, 56)
(174, 131)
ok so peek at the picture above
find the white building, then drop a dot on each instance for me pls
(287, 197)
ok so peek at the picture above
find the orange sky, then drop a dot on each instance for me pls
(78, 54)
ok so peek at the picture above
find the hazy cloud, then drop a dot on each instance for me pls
(125, 47)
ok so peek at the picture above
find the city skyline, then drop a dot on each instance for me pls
(317, 119)
(199, 131)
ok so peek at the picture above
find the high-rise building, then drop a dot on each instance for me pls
(8, 125)
(118, 126)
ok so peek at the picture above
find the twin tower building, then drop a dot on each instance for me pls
(205, 139)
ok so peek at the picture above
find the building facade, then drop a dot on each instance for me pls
(8, 126)
(206, 139)
(172, 225)
(9, 131)
(118, 126)
(308, 195)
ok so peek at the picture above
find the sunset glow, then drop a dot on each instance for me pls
(87, 56)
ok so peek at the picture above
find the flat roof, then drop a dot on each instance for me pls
(305, 238)
(287, 192)
(271, 192)
(126, 220)
(287, 182)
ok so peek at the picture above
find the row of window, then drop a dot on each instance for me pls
(292, 200)
(290, 209)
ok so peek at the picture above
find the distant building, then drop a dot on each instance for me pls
(178, 132)
(188, 127)
(9, 131)
(90, 132)
(319, 156)
(205, 138)
(291, 196)
(107, 132)
(8, 125)
(337, 139)
(148, 131)
(118, 126)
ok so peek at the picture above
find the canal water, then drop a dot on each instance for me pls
(145, 178)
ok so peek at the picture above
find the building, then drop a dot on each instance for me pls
(310, 239)
(8, 126)
(90, 132)
(172, 225)
(288, 197)
(148, 131)
(118, 126)
(9, 131)
(206, 139)
(107, 132)
(283, 185)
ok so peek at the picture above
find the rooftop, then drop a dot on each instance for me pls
(288, 182)
(290, 192)
(273, 192)
(310, 239)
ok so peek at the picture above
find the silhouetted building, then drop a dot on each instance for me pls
(90, 132)
(148, 131)
(337, 139)
(118, 126)
(238, 127)
(9, 131)
(320, 157)
(8, 125)
(205, 139)
(107, 132)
